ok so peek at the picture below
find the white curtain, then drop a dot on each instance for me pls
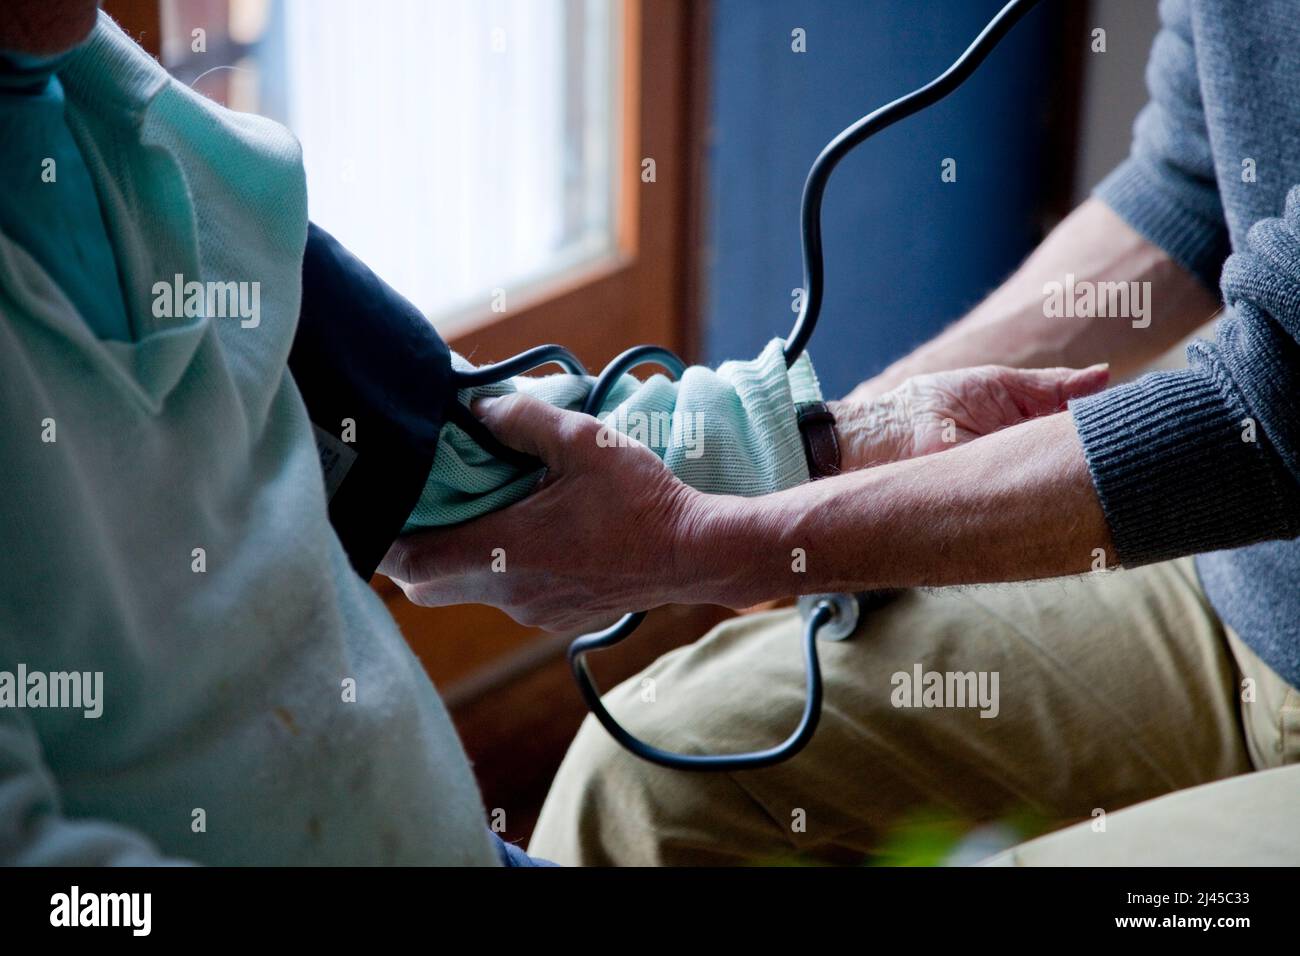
(434, 137)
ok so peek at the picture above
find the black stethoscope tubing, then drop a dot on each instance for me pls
(823, 612)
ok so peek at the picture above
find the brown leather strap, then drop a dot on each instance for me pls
(820, 444)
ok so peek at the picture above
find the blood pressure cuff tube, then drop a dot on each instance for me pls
(376, 379)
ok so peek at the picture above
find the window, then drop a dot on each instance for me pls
(465, 149)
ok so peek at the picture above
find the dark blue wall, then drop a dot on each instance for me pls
(905, 252)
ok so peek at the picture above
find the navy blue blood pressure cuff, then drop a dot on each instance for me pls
(376, 379)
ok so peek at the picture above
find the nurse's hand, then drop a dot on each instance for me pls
(937, 411)
(600, 536)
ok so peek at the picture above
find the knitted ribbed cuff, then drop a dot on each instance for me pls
(1198, 245)
(769, 393)
(1173, 470)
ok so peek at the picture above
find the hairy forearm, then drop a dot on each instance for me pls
(1011, 506)
(1012, 327)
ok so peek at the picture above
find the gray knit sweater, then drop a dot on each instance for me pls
(1214, 169)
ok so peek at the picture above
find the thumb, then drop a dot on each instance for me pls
(530, 425)
(1042, 390)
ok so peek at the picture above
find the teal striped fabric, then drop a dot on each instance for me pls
(730, 430)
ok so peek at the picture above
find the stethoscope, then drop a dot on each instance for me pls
(828, 616)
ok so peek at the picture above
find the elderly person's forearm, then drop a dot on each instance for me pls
(1012, 506)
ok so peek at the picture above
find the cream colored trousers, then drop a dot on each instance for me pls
(1111, 689)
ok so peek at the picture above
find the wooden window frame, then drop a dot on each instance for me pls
(644, 292)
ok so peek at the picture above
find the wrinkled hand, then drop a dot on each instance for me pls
(611, 529)
(930, 413)
(597, 538)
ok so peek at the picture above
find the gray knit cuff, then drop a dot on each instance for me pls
(1172, 468)
(1197, 244)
